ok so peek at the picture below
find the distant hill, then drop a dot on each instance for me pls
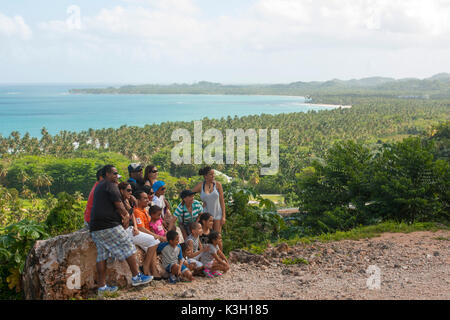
(436, 86)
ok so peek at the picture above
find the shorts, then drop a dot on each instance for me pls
(216, 215)
(143, 240)
(169, 268)
(198, 264)
(113, 242)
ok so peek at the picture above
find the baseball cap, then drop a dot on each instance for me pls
(134, 167)
(186, 193)
(158, 184)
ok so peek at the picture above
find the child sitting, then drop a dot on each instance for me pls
(172, 258)
(194, 247)
(213, 259)
(156, 222)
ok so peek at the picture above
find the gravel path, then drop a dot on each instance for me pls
(411, 266)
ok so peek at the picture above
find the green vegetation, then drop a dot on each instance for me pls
(435, 86)
(380, 166)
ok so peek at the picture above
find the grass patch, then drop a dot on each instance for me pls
(356, 234)
(370, 232)
(289, 261)
(111, 294)
(442, 238)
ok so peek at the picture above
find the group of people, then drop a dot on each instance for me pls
(123, 215)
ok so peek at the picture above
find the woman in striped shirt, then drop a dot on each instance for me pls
(188, 211)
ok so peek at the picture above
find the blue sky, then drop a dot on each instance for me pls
(245, 41)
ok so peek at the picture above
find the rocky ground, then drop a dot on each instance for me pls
(410, 266)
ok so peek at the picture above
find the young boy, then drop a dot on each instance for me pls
(172, 258)
(194, 247)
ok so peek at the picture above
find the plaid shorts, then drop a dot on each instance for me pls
(113, 242)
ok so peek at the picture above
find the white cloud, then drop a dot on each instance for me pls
(175, 38)
(14, 27)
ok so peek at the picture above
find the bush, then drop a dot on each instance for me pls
(67, 216)
(249, 225)
(15, 243)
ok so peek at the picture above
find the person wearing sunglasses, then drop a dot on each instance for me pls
(150, 175)
(136, 180)
(109, 218)
(159, 188)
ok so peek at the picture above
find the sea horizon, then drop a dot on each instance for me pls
(29, 108)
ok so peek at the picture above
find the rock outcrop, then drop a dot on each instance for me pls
(65, 267)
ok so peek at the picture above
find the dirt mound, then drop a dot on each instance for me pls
(392, 266)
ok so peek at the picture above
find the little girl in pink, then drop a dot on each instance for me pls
(156, 222)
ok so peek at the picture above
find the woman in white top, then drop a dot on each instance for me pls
(211, 193)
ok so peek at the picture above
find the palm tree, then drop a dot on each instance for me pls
(42, 180)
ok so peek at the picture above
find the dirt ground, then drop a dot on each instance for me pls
(392, 266)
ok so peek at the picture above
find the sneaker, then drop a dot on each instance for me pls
(172, 279)
(216, 274)
(101, 291)
(207, 273)
(140, 279)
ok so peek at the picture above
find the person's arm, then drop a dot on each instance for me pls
(220, 254)
(190, 249)
(124, 213)
(135, 228)
(180, 260)
(172, 222)
(145, 230)
(222, 201)
(133, 200)
(215, 256)
(198, 187)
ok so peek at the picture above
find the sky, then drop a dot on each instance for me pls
(233, 41)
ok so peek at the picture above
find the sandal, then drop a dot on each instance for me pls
(216, 274)
(207, 273)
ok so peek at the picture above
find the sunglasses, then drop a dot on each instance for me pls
(115, 173)
(154, 171)
(129, 190)
(163, 188)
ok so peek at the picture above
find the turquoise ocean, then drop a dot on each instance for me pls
(28, 108)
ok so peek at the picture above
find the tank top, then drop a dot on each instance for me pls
(212, 201)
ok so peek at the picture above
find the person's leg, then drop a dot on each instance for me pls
(132, 263)
(186, 274)
(150, 262)
(101, 272)
(174, 269)
(217, 226)
(219, 266)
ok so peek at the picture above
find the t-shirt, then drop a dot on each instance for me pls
(158, 228)
(142, 218)
(183, 214)
(169, 254)
(159, 201)
(104, 214)
(204, 238)
(90, 203)
(195, 242)
(207, 256)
